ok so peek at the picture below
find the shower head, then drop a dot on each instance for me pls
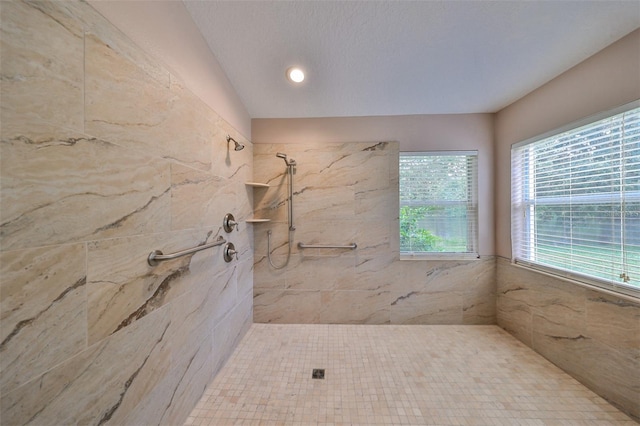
(286, 161)
(238, 146)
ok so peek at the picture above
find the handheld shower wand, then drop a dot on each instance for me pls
(291, 163)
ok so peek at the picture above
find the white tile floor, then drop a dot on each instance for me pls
(394, 375)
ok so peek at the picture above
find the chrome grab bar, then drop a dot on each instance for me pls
(156, 256)
(351, 246)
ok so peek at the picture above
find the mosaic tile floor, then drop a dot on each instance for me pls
(394, 375)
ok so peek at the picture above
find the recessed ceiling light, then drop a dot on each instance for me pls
(295, 74)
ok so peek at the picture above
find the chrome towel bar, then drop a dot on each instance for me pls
(156, 256)
(352, 246)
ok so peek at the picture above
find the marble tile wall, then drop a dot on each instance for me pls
(590, 335)
(346, 193)
(105, 157)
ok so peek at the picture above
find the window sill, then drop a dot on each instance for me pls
(439, 256)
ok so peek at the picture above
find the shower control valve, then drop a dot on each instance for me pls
(229, 251)
(229, 222)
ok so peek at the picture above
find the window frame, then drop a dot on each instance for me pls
(472, 226)
(572, 276)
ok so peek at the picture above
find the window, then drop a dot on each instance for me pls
(576, 202)
(438, 202)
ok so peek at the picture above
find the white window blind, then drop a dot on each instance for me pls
(576, 202)
(438, 202)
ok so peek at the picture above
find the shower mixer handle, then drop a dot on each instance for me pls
(229, 251)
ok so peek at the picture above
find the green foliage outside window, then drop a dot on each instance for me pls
(412, 236)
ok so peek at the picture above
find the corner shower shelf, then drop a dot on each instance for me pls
(257, 185)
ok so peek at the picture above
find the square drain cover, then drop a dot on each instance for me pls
(318, 373)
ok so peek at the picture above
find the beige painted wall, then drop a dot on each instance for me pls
(608, 79)
(165, 29)
(412, 132)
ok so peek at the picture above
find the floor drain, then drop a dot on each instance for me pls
(318, 373)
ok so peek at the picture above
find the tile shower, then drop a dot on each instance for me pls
(106, 156)
(348, 193)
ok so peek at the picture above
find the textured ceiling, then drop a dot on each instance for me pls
(395, 58)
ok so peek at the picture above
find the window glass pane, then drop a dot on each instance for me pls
(576, 201)
(438, 207)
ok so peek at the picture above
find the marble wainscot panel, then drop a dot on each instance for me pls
(43, 303)
(130, 107)
(124, 288)
(200, 343)
(345, 193)
(42, 70)
(106, 156)
(90, 388)
(591, 335)
(60, 187)
(198, 198)
(319, 285)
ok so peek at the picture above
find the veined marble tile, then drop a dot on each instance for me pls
(230, 331)
(326, 232)
(347, 166)
(190, 336)
(60, 187)
(286, 306)
(566, 348)
(43, 303)
(603, 369)
(242, 238)
(220, 294)
(610, 373)
(354, 307)
(372, 174)
(373, 236)
(515, 317)
(269, 169)
(379, 203)
(245, 278)
(166, 403)
(446, 275)
(100, 28)
(199, 199)
(41, 63)
(562, 309)
(373, 273)
(124, 106)
(123, 288)
(479, 308)
(279, 238)
(480, 294)
(91, 387)
(195, 318)
(267, 278)
(225, 161)
(614, 322)
(515, 282)
(320, 272)
(323, 203)
(425, 307)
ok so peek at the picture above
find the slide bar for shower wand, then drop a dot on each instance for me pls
(157, 256)
(352, 246)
